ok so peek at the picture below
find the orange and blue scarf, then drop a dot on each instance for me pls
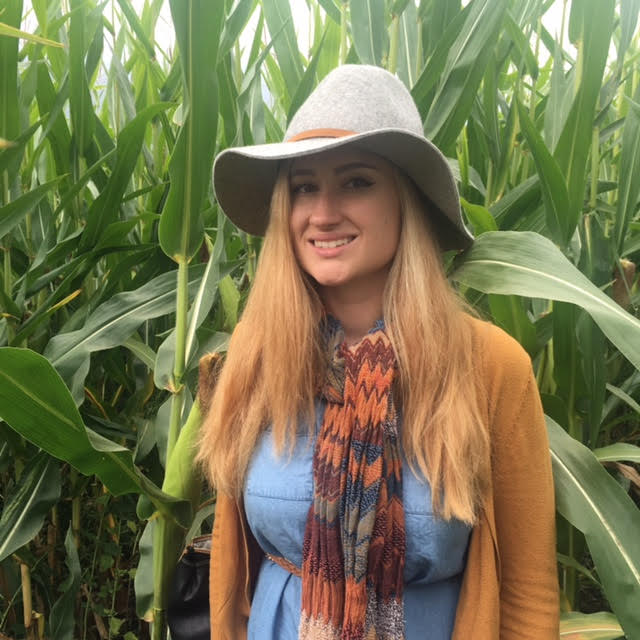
(354, 543)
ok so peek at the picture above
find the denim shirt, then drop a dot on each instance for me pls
(277, 496)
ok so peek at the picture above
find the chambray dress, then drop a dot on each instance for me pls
(277, 496)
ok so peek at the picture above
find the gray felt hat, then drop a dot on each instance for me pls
(358, 105)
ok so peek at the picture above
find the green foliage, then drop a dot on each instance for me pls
(107, 137)
(24, 512)
(589, 497)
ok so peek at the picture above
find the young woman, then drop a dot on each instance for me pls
(380, 456)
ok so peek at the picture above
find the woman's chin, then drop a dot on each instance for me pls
(330, 280)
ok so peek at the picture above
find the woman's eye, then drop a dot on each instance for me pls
(358, 183)
(299, 189)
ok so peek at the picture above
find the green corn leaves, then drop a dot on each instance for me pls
(618, 451)
(62, 614)
(24, 511)
(370, 35)
(111, 324)
(82, 116)
(595, 626)
(198, 25)
(106, 147)
(104, 209)
(593, 23)
(14, 212)
(279, 20)
(8, 73)
(463, 71)
(594, 502)
(629, 187)
(552, 183)
(527, 264)
(35, 402)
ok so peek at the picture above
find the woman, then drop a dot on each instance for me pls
(380, 456)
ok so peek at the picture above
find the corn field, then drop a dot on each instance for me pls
(119, 271)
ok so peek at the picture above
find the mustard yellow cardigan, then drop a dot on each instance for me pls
(510, 587)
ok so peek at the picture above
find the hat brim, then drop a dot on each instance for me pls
(244, 177)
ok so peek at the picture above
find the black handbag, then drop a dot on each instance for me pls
(188, 611)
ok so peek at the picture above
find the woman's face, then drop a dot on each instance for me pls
(345, 219)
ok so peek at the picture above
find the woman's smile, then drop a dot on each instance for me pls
(332, 244)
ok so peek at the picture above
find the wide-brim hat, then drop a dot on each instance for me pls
(357, 105)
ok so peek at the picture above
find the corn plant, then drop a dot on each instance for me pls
(119, 271)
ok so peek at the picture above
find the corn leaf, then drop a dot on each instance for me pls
(559, 100)
(629, 180)
(35, 402)
(138, 29)
(369, 30)
(202, 303)
(51, 102)
(568, 377)
(463, 73)
(234, 24)
(408, 60)
(480, 217)
(625, 397)
(198, 25)
(143, 581)
(81, 107)
(230, 297)
(62, 611)
(629, 10)
(104, 209)
(572, 152)
(308, 81)
(14, 212)
(593, 626)
(554, 189)
(111, 324)
(590, 499)
(430, 74)
(527, 264)
(618, 451)
(37, 490)
(595, 264)
(522, 56)
(508, 312)
(9, 124)
(12, 32)
(277, 14)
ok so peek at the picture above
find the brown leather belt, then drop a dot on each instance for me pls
(285, 564)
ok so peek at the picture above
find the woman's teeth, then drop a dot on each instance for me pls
(331, 244)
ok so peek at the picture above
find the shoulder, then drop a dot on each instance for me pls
(495, 350)
(501, 368)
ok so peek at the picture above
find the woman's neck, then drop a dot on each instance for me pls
(355, 314)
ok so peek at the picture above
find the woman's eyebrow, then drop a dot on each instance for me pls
(354, 165)
(301, 172)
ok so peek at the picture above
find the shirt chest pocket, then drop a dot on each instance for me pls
(284, 477)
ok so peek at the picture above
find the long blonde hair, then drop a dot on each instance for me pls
(274, 364)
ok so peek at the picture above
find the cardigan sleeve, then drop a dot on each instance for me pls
(523, 497)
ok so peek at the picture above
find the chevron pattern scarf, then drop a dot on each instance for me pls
(354, 544)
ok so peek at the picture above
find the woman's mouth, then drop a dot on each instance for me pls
(332, 244)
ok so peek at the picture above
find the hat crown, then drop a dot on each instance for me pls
(357, 98)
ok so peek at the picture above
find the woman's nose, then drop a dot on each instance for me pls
(326, 209)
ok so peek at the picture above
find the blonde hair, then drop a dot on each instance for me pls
(272, 370)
